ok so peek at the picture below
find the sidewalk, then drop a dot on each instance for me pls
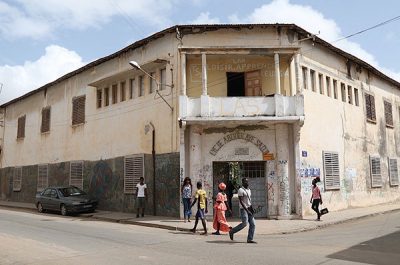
(263, 226)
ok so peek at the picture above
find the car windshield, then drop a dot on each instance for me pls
(71, 191)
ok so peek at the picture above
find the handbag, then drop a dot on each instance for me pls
(324, 211)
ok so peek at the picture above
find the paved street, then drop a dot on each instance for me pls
(27, 238)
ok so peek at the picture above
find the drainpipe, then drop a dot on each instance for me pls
(153, 153)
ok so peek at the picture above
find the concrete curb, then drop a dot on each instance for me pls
(176, 228)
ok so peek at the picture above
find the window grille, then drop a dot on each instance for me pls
(17, 179)
(388, 113)
(76, 174)
(78, 110)
(21, 127)
(370, 107)
(393, 172)
(376, 175)
(331, 170)
(133, 170)
(45, 127)
(43, 177)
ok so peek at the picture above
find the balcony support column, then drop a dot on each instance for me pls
(293, 76)
(277, 75)
(204, 73)
(183, 74)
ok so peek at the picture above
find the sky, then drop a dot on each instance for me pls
(41, 40)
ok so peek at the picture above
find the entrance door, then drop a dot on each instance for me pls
(231, 174)
(253, 83)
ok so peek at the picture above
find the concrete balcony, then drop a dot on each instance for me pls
(275, 108)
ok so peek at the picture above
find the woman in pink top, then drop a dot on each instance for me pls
(316, 199)
(220, 223)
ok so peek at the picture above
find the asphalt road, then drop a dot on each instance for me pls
(28, 238)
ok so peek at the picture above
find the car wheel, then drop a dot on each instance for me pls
(63, 210)
(40, 208)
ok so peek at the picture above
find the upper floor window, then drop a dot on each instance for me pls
(106, 96)
(321, 83)
(312, 77)
(343, 90)
(370, 107)
(163, 78)
(356, 99)
(114, 91)
(349, 95)
(153, 84)
(99, 96)
(335, 89)
(132, 88)
(141, 86)
(78, 110)
(21, 127)
(388, 113)
(305, 77)
(328, 86)
(45, 126)
(123, 91)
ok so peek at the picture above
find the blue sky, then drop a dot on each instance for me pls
(41, 40)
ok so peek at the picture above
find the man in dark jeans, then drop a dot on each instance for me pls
(244, 194)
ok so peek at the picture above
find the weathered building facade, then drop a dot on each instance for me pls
(220, 102)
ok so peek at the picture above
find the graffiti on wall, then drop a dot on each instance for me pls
(103, 183)
(307, 173)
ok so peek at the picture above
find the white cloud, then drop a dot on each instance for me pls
(282, 11)
(20, 79)
(40, 18)
(204, 18)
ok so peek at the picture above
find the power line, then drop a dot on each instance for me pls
(367, 29)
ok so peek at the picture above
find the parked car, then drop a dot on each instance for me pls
(67, 200)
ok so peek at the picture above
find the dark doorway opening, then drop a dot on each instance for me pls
(236, 85)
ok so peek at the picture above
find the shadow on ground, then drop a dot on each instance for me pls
(382, 250)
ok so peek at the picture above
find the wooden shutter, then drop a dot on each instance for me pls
(45, 127)
(376, 175)
(17, 179)
(331, 170)
(133, 170)
(393, 172)
(388, 113)
(370, 107)
(253, 83)
(42, 181)
(76, 174)
(78, 110)
(21, 127)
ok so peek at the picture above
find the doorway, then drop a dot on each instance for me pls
(232, 172)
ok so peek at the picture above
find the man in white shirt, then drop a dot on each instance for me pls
(141, 191)
(246, 212)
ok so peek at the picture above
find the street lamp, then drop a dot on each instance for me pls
(136, 66)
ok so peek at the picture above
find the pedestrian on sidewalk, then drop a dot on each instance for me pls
(186, 191)
(201, 199)
(246, 212)
(141, 196)
(316, 199)
(220, 206)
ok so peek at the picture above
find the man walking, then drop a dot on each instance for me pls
(246, 212)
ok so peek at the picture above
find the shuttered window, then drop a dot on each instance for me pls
(21, 127)
(388, 113)
(43, 177)
(376, 174)
(76, 174)
(133, 170)
(45, 126)
(17, 179)
(370, 107)
(393, 172)
(331, 170)
(78, 110)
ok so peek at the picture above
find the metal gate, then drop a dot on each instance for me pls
(231, 174)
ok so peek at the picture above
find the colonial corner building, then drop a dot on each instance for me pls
(214, 103)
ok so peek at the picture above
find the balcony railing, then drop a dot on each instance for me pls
(213, 107)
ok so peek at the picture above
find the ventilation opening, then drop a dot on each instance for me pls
(235, 84)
